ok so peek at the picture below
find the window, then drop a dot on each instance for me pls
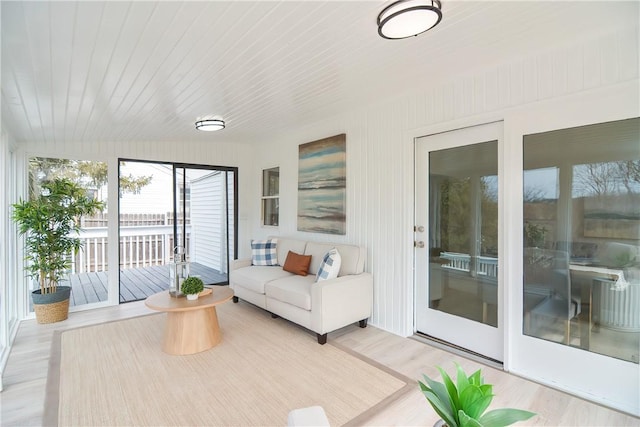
(270, 196)
(582, 237)
(89, 268)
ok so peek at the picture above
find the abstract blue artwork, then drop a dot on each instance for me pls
(322, 177)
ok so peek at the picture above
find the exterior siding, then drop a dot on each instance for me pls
(206, 221)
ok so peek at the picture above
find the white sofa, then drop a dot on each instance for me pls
(322, 306)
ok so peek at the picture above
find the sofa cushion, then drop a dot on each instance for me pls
(352, 257)
(297, 264)
(330, 266)
(264, 252)
(286, 245)
(294, 290)
(256, 276)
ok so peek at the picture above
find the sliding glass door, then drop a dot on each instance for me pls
(168, 208)
(576, 316)
(582, 238)
(205, 226)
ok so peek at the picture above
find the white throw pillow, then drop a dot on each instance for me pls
(263, 252)
(330, 266)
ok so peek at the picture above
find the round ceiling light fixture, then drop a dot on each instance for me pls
(408, 18)
(210, 125)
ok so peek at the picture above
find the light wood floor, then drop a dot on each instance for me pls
(24, 380)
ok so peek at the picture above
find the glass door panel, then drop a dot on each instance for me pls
(582, 238)
(205, 212)
(146, 234)
(164, 206)
(457, 275)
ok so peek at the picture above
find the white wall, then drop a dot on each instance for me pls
(380, 151)
(380, 161)
(380, 164)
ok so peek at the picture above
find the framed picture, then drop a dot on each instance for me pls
(322, 178)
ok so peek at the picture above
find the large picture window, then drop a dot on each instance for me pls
(582, 237)
(88, 274)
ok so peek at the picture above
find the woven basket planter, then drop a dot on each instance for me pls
(51, 308)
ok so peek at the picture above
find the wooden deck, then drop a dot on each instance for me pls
(135, 283)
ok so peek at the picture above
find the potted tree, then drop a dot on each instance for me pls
(50, 221)
(191, 287)
(463, 403)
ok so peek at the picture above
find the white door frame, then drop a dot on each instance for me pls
(475, 336)
(579, 372)
(590, 375)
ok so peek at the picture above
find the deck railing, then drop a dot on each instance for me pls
(140, 246)
(487, 266)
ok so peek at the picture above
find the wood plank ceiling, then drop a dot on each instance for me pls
(92, 71)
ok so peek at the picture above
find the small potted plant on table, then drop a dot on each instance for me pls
(464, 404)
(191, 287)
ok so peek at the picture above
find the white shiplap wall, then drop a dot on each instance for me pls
(380, 159)
(380, 153)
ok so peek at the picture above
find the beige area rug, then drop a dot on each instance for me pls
(116, 374)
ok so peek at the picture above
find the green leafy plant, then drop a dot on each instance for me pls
(623, 259)
(51, 220)
(534, 235)
(463, 404)
(192, 285)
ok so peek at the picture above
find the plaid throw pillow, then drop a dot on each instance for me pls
(330, 266)
(263, 252)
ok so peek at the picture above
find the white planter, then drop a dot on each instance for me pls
(192, 297)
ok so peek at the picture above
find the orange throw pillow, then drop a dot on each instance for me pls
(297, 264)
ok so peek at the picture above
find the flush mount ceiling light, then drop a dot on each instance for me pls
(210, 125)
(408, 18)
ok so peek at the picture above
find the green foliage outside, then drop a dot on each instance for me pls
(85, 173)
(192, 285)
(463, 403)
(455, 216)
(534, 235)
(50, 221)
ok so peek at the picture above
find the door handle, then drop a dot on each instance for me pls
(418, 244)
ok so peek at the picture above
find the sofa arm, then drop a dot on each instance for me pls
(339, 302)
(239, 263)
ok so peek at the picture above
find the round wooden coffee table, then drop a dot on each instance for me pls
(192, 326)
